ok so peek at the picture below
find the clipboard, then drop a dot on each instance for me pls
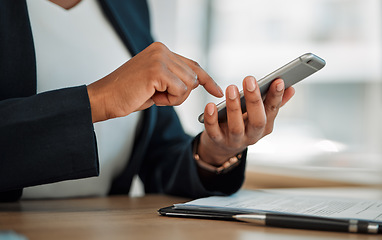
(201, 213)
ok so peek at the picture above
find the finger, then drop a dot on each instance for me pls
(169, 90)
(204, 79)
(255, 109)
(166, 99)
(182, 71)
(234, 115)
(288, 94)
(272, 102)
(211, 123)
(174, 79)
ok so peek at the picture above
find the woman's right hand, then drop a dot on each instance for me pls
(154, 76)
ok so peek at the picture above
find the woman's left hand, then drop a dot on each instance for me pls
(220, 141)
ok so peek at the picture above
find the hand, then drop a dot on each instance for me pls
(220, 141)
(154, 76)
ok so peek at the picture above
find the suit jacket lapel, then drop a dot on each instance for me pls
(17, 58)
(131, 20)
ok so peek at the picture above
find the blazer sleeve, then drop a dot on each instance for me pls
(169, 167)
(46, 138)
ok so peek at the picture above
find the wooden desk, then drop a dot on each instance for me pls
(120, 217)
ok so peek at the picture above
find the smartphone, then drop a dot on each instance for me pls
(291, 73)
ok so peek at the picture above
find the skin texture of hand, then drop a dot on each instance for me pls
(220, 141)
(154, 76)
(66, 4)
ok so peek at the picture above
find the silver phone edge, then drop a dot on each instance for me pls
(305, 58)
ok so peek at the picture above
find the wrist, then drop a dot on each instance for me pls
(96, 102)
(223, 165)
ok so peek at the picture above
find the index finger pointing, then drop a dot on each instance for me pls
(204, 79)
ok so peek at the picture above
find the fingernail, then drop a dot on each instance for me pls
(280, 87)
(232, 93)
(250, 83)
(210, 109)
(220, 89)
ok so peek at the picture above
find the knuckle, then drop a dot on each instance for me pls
(158, 61)
(234, 109)
(236, 131)
(192, 82)
(157, 57)
(263, 122)
(260, 123)
(195, 63)
(272, 107)
(254, 101)
(183, 91)
(214, 137)
(159, 46)
(195, 84)
(158, 53)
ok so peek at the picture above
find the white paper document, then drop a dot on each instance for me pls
(263, 201)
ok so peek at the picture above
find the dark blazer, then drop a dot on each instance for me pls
(49, 137)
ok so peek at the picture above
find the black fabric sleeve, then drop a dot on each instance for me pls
(169, 166)
(45, 138)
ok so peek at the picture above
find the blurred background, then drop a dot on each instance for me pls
(330, 132)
